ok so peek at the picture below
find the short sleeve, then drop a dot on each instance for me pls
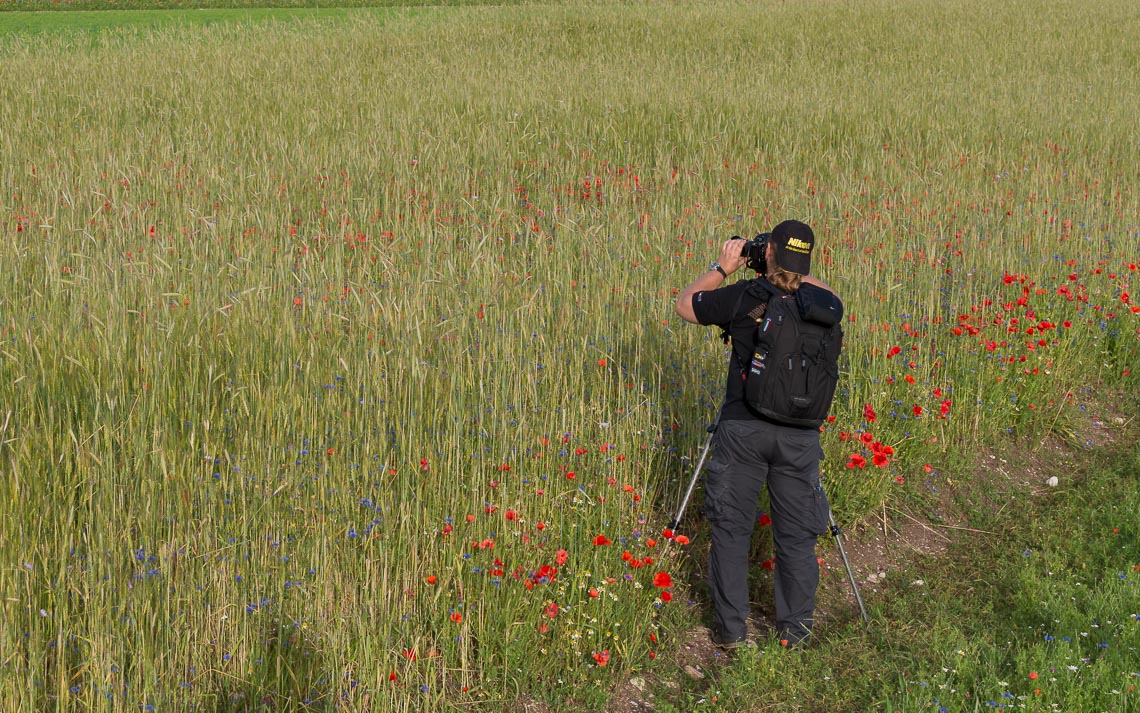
(718, 306)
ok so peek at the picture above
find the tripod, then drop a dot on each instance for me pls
(833, 527)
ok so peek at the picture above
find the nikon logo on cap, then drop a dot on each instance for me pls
(799, 245)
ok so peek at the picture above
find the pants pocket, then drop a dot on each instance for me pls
(821, 508)
(716, 488)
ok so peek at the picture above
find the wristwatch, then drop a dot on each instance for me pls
(716, 266)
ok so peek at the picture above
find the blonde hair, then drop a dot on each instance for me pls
(786, 281)
(781, 278)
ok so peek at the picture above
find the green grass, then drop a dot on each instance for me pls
(320, 339)
(93, 22)
(64, 7)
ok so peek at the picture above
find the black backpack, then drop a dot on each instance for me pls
(794, 370)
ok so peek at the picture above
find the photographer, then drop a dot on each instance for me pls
(750, 449)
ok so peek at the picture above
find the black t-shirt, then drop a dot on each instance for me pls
(734, 308)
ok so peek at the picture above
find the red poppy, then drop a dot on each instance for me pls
(856, 461)
(551, 610)
(545, 573)
(662, 579)
(765, 519)
(431, 579)
(601, 540)
(456, 617)
(869, 413)
(666, 595)
(560, 557)
(602, 657)
(681, 540)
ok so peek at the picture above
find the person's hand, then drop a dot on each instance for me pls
(730, 258)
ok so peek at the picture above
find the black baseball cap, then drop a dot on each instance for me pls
(794, 242)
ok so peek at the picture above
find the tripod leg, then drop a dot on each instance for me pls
(837, 533)
(692, 484)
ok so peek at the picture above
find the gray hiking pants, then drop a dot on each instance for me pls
(746, 454)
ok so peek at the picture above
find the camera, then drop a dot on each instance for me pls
(755, 251)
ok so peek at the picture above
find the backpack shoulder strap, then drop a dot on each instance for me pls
(762, 288)
(750, 288)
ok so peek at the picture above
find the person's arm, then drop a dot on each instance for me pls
(730, 261)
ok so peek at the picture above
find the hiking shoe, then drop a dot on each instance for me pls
(731, 644)
(794, 640)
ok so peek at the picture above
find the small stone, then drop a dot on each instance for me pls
(638, 683)
(1052, 482)
(694, 673)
